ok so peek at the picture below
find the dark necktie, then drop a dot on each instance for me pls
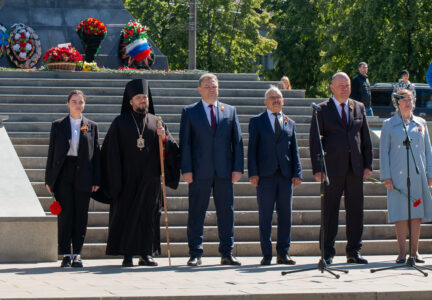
(344, 117)
(277, 127)
(213, 118)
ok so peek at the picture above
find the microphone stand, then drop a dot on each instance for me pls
(410, 263)
(322, 265)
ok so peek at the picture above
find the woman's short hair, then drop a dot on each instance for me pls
(404, 72)
(403, 93)
(76, 92)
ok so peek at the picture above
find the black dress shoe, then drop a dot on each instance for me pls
(419, 260)
(266, 260)
(356, 258)
(285, 260)
(66, 262)
(230, 260)
(401, 260)
(127, 261)
(147, 260)
(328, 260)
(77, 262)
(194, 261)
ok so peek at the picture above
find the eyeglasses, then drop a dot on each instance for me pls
(406, 101)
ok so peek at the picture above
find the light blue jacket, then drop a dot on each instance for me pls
(393, 165)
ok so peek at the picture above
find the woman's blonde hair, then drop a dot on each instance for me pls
(285, 78)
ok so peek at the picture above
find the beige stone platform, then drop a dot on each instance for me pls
(105, 279)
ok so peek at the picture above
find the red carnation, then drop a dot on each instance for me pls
(131, 32)
(55, 208)
(23, 35)
(126, 35)
(417, 203)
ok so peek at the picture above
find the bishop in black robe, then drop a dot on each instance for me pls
(131, 179)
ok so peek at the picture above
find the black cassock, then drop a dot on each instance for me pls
(131, 183)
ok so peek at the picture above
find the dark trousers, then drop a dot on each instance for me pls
(272, 190)
(72, 221)
(199, 195)
(352, 186)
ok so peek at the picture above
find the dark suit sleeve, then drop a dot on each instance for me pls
(185, 143)
(49, 164)
(237, 145)
(366, 144)
(252, 149)
(96, 158)
(171, 161)
(314, 146)
(297, 169)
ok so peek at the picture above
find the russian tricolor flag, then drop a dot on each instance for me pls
(138, 49)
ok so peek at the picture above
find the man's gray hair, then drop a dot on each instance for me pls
(339, 74)
(273, 89)
(362, 64)
(207, 76)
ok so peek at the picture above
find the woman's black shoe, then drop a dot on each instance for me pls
(401, 260)
(66, 262)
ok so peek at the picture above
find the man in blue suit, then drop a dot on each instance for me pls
(211, 149)
(275, 170)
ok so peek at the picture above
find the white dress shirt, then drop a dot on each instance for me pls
(272, 118)
(207, 110)
(339, 108)
(75, 136)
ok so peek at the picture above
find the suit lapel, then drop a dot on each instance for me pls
(66, 127)
(267, 124)
(335, 111)
(203, 116)
(351, 112)
(221, 116)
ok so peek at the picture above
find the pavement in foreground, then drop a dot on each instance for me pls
(106, 279)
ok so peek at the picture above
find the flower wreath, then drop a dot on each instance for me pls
(4, 36)
(134, 49)
(24, 47)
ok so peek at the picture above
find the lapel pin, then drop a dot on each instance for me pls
(222, 107)
(286, 120)
(84, 128)
(351, 105)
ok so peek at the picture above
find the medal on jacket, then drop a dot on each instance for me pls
(140, 140)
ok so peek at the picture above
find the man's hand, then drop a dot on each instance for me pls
(235, 176)
(389, 184)
(367, 173)
(187, 177)
(48, 188)
(161, 132)
(296, 182)
(95, 188)
(429, 181)
(254, 180)
(318, 177)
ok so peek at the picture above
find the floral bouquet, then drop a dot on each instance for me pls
(91, 32)
(415, 202)
(24, 47)
(4, 36)
(62, 54)
(134, 49)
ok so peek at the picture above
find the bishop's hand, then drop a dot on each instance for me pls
(161, 132)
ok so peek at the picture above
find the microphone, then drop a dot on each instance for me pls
(397, 96)
(315, 106)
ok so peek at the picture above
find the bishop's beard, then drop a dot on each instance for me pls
(142, 111)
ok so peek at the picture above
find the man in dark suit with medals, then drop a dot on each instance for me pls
(275, 170)
(348, 152)
(211, 149)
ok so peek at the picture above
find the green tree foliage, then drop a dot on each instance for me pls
(228, 32)
(317, 38)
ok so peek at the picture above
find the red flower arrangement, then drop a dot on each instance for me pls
(417, 203)
(91, 26)
(56, 54)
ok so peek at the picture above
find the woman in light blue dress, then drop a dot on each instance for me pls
(393, 169)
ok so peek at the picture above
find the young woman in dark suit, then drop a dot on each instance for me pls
(72, 173)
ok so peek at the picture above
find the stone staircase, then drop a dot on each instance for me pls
(34, 99)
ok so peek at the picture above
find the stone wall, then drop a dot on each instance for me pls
(55, 22)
